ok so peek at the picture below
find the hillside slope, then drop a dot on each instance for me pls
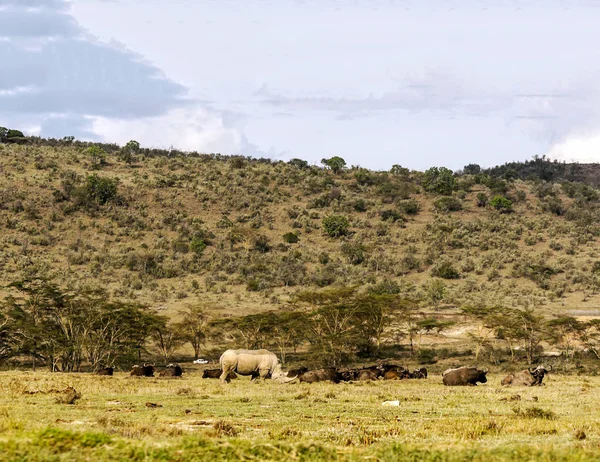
(174, 230)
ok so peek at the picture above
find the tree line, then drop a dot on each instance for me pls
(63, 330)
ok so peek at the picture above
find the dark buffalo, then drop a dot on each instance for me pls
(147, 370)
(531, 377)
(419, 373)
(329, 374)
(105, 371)
(172, 370)
(347, 375)
(390, 367)
(464, 376)
(298, 371)
(216, 373)
(396, 375)
(364, 375)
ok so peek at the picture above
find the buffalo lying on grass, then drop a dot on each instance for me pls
(172, 370)
(464, 376)
(419, 373)
(146, 370)
(531, 377)
(216, 373)
(105, 371)
(329, 374)
(298, 371)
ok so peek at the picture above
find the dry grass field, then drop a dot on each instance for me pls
(123, 418)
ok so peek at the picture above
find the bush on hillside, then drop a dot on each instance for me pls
(445, 270)
(502, 204)
(482, 199)
(336, 225)
(290, 238)
(447, 204)
(409, 207)
(100, 190)
(336, 164)
(439, 180)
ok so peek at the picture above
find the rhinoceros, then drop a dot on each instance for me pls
(256, 363)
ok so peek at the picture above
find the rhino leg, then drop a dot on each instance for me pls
(225, 376)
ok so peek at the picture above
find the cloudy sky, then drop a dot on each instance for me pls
(378, 82)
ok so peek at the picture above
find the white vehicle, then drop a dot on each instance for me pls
(201, 361)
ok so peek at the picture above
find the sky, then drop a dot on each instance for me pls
(418, 83)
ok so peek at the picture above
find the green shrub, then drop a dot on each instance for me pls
(439, 180)
(98, 155)
(398, 170)
(335, 163)
(290, 238)
(554, 205)
(482, 199)
(502, 204)
(6, 134)
(298, 163)
(497, 185)
(445, 270)
(360, 205)
(364, 177)
(390, 215)
(409, 207)
(261, 244)
(472, 169)
(336, 225)
(447, 204)
(354, 252)
(100, 190)
(387, 286)
(197, 245)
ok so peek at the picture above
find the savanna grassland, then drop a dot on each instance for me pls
(123, 418)
(116, 255)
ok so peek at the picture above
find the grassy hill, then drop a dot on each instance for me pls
(171, 229)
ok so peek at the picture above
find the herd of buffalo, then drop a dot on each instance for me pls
(460, 376)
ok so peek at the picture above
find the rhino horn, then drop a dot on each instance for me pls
(284, 379)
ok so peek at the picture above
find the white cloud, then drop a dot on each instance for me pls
(18, 90)
(577, 148)
(188, 129)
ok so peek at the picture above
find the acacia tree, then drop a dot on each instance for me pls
(375, 314)
(590, 336)
(330, 323)
(193, 326)
(430, 325)
(61, 329)
(118, 330)
(167, 339)
(29, 310)
(484, 331)
(565, 331)
(335, 163)
(513, 325)
(285, 331)
(530, 330)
